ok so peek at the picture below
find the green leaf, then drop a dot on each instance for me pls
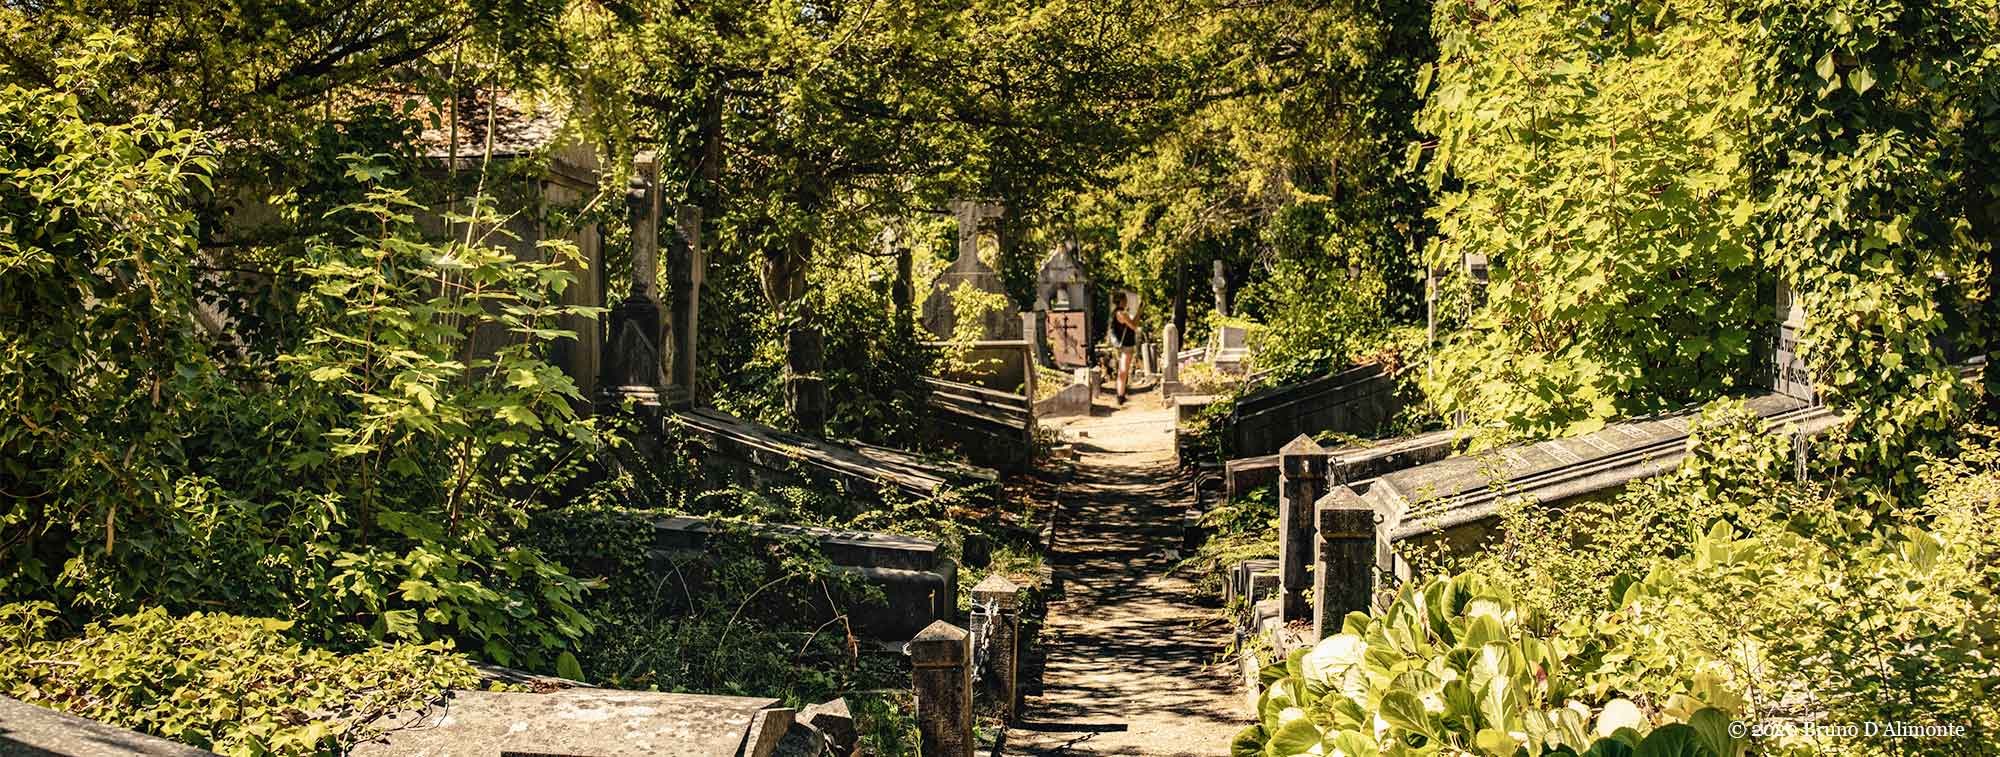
(520, 416)
(1861, 80)
(1674, 740)
(1249, 742)
(1298, 736)
(1404, 710)
(567, 667)
(1713, 726)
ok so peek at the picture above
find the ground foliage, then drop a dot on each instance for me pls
(1725, 587)
(227, 683)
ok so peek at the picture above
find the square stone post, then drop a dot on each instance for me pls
(1032, 331)
(1170, 369)
(941, 674)
(1003, 651)
(1344, 575)
(685, 269)
(1031, 362)
(1301, 482)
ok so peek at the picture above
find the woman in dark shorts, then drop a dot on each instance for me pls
(1125, 336)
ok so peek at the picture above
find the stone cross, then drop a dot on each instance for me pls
(1220, 283)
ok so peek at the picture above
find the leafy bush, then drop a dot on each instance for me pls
(1453, 666)
(227, 683)
(1775, 600)
(368, 481)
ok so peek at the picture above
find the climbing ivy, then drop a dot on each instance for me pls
(1875, 150)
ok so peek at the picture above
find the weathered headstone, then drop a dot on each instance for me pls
(1790, 376)
(1069, 337)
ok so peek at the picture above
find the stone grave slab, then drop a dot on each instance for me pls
(30, 731)
(585, 723)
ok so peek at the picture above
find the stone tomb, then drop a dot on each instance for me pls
(918, 582)
(1457, 500)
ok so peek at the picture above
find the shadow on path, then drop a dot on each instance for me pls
(1134, 660)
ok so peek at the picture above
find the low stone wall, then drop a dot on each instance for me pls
(918, 582)
(1359, 401)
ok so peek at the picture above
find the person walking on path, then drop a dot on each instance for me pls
(1125, 336)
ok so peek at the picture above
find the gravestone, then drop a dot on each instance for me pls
(1790, 377)
(1062, 294)
(1069, 338)
(979, 246)
(634, 366)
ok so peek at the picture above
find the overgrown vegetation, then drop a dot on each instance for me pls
(227, 683)
(1724, 587)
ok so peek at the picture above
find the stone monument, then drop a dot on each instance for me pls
(978, 232)
(1062, 295)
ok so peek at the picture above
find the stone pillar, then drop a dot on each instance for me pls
(1170, 370)
(685, 270)
(1033, 331)
(1003, 652)
(1301, 482)
(941, 674)
(633, 364)
(1344, 571)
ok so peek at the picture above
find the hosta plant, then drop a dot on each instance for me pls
(1452, 667)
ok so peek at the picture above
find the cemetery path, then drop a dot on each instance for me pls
(1135, 664)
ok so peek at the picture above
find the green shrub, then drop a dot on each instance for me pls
(1779, 601)
(1453, 666)
(231, 684)
(363, 470)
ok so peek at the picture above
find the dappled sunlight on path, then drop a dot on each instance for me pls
(1135, 661)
